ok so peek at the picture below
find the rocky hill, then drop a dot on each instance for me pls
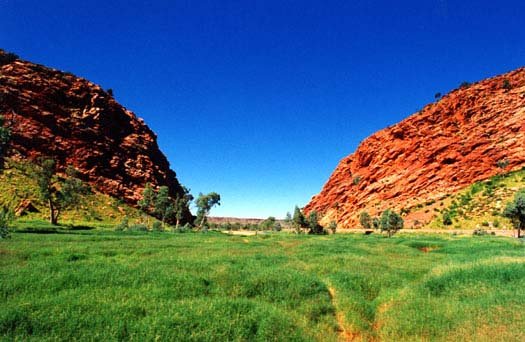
(470, 134)
(56, 114)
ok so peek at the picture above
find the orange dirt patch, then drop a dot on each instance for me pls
(345, 334)
(427, 249)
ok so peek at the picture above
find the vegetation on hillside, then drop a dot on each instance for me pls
(19, 193)
(481, 205)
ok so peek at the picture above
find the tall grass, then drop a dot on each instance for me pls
(92, 285)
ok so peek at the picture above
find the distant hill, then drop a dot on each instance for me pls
(471, 134)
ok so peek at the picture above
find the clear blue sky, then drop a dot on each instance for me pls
(259, 100)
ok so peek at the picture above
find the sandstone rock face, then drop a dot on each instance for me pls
(59, 115)
(471, 134)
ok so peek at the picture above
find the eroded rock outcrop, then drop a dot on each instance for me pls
(471, 134)
(56, 114)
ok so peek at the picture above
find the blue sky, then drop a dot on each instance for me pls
(259, 100)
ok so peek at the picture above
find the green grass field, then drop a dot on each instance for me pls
(95, 285)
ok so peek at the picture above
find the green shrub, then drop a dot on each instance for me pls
(479, 232)
(447, 218)
(365, 220)
(332, 227)
(138, 227)
(465, 85)
(506, 85)
(124, 225)
(7, 57)
(157, 227)
(6, 217)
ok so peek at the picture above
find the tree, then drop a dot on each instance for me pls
(313, 223)
(391, 222)
(5, 136)
(437, 96)
(333, 227)
(6, 217)
(376, 223)
(515, 211)
(365, 220)
(204, 204)
(298, 220)
(277, 227)
(60, 193)
(181, 205)
(147, 201)
(164, 206)
(268, 224)
(7, 57)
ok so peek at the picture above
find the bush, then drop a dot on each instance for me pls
(313, 223)
(479, 232)
(506, 85)
(464, 84)
(183, 229)
(376, 223)
(124, 225)
(485, 224)
(157, 226)
(447, 218)
(138, 227)
(496, 224)
(277, 227)
(5, 218)
(7, 58)
(332, 227)
(365, 220)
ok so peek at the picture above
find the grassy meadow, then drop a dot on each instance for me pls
(102, 285)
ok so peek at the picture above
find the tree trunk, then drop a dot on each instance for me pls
(53, 217)
(177, 224)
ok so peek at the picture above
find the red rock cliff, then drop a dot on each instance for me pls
(59, 115)
(435, 152)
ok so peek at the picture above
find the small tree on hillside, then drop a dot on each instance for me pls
(60, 193)
(515, 211)
(204, 204)
(5, 136)
(365, 220)
(391, 222)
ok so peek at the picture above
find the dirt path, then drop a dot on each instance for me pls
(345, 334)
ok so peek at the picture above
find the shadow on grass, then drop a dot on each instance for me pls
(47, 228)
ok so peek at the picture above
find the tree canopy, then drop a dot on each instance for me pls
(515, 211)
